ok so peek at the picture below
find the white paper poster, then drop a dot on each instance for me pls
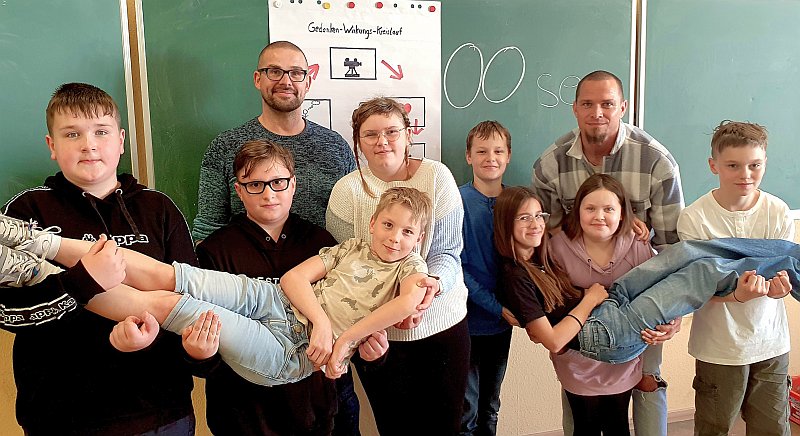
(357, 50)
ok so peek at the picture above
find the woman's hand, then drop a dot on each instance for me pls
(596, 294)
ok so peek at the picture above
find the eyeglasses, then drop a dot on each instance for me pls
(541, 217)
(258, 186)
(372, 137)
(276, 74)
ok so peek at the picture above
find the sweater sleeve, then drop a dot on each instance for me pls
(213, 196)
(444, 256)
(340, 226)
(481, 295)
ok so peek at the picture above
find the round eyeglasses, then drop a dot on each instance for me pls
(371, 137)
(528, 220)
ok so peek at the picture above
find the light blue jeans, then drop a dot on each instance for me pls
(261, 338)
(681, 279)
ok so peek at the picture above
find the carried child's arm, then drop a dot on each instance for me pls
(556, 337)
(296, 284)
(394, 311)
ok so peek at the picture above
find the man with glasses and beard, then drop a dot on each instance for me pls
(322, 157)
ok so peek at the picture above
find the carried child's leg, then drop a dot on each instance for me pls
(20, 268)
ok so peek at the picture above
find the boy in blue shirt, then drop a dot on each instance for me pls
(488, 152)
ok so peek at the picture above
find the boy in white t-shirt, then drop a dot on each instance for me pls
(741, 341)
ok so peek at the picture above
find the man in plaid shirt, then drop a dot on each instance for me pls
(602, 143)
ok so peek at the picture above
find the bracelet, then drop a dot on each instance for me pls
(576, 319)
(735, 298)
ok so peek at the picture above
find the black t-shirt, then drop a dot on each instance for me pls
(234, 405)
(518, 293)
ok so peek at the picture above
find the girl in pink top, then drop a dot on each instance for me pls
(597, 246)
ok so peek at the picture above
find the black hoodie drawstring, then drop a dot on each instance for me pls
(125, 213)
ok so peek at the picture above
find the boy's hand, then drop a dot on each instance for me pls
(134, 333)
(105, 263)
(779, 286)
(641, 230)
(320, 344)
(662, 333)
(201, 340)
(338, 362)
(411, 322)
(750, 286)
(374, 347)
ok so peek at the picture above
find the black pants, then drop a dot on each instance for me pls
(602, 413)
(419, 387)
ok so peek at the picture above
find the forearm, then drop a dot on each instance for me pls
(300, 293)
(387, 315)
(482, 296)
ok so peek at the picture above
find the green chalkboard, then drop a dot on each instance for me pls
(200, 60)
(560, 40)
(710, 60)
(201, 55)
(42, 45)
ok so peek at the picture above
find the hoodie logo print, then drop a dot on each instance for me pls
(121, 240)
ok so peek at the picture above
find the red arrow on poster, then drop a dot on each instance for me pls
(396, 74)
(313, 70)
(416, 129)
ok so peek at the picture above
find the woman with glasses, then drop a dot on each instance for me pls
(423, 376)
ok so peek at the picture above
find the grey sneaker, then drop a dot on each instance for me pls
(17, 267)
(26, 235)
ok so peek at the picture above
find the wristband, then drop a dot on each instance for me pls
(736, 298)
(576, 319)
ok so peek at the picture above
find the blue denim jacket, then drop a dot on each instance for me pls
(677, 282)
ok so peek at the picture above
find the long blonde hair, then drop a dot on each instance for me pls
(551, 279)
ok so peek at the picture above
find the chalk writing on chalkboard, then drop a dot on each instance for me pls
(480, 88)
(567, 82)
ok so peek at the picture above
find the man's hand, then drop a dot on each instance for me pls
(640, 230)
(374, 347)
(134, 333)
(201, 340)
(105, 263)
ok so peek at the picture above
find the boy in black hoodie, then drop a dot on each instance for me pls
(70, 380)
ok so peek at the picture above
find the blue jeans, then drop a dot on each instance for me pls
(678, 281)
(261, 338)
(487, 368)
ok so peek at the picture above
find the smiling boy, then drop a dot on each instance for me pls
(97, 390)
(740, 341)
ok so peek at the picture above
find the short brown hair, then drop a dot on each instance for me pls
(81, 99)
(738, 134)
(279, 44)
(256, 151)
(415, 200)
(376, 106)
(597, 76)
(551, 279)
(485, 130)
(572, 222)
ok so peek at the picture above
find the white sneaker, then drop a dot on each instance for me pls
(26, 235)
(17, 267)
